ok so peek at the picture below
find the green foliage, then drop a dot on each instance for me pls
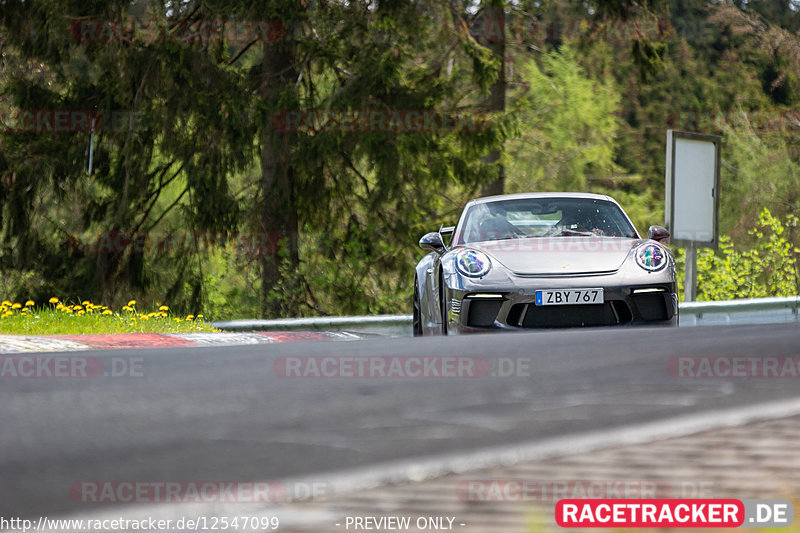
(343, 277)
(759, 170)
(770, 268)
(79, 319)
(231, 282)
(187, 135)
(568, 126)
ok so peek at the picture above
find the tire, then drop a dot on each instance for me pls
(417, 320)
(443, 304)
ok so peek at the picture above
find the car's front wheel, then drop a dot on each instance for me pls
(416, 321)
(443, 305)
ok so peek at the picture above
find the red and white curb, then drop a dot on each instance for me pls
(71, 343)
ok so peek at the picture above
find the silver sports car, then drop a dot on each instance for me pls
(543, 260)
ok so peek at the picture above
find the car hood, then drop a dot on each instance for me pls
(559, 255)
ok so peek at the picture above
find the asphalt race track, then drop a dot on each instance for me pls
(223, 413)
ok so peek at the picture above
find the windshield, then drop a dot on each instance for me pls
(544, 217)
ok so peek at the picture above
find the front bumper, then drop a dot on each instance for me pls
(486, 309)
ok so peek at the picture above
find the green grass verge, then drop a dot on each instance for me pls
(57, 318)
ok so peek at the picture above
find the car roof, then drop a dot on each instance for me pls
(526, 195)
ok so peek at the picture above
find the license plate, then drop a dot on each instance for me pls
(569, 296)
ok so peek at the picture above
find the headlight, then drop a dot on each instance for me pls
(473, 263)
(651, 257)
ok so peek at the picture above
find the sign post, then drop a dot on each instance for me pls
(692, 197)
(690, 278)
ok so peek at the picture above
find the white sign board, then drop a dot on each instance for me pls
(692, 188)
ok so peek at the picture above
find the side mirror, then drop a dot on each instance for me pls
(659, 233)
(432, 241)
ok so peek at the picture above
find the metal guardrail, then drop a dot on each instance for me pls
(392, 325)
(750, 311)
(746, 311)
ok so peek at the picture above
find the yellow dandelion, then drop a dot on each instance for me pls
(132, 303)
(199, 316)
(163, 308)
(7, 303)
(86, 302)
(53, 300)
(16, 306)
(189, 317)
(127, 308)
(176, 319)
(7, 314)
(81, 312)
(77, 307)
(145, 317)
(26, 308)
(3, 308)
(60, 306)
(162, 314)
(108, 312)
(30, 303)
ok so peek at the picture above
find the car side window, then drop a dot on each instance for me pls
(476, 215)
